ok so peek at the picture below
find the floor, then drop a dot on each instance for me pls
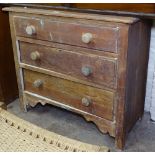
(141, 138)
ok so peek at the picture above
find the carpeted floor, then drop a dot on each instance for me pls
(141, 138)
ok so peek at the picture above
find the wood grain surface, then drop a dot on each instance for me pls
(71, 93)
(103, 37)
(113, 109)
(104, 69)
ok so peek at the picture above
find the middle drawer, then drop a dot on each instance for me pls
(91, 68)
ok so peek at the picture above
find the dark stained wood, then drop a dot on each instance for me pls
(133, 82)
(1, 93)
(71, 63)
(8, 83)
(146, 8)
(137, 72)
(104, 38)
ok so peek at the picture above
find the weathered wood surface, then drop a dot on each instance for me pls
(120, 107)
(71, 93)
(75, 15)
(103, 69)
(72, 48)
(103, 37)
(144, 11)
(137, 71)
(105, 126)
(132, 78)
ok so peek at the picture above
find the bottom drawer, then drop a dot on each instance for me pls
(96, 101)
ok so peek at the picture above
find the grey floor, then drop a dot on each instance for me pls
(141, 138)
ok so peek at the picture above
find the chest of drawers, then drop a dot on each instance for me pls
(94, 65)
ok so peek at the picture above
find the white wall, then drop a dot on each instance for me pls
(150, 88)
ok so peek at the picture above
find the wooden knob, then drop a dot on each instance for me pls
(86, 71)
(30, 30)
(87, 38)
(35, 55)
(38, 83)
(86, 101)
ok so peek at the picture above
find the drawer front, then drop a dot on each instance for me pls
(89, 99)
(83, 35)
(91, 68)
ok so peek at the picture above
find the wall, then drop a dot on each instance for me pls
(150, 88)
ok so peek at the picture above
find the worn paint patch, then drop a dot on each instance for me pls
(42, 23)
(51, 36)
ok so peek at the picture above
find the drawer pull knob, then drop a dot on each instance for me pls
(86, 101)
(87, 38)
(30, 30)
(86, 71)
(35, 55)
(38, 83)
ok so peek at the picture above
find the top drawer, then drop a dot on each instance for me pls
(79, 34)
